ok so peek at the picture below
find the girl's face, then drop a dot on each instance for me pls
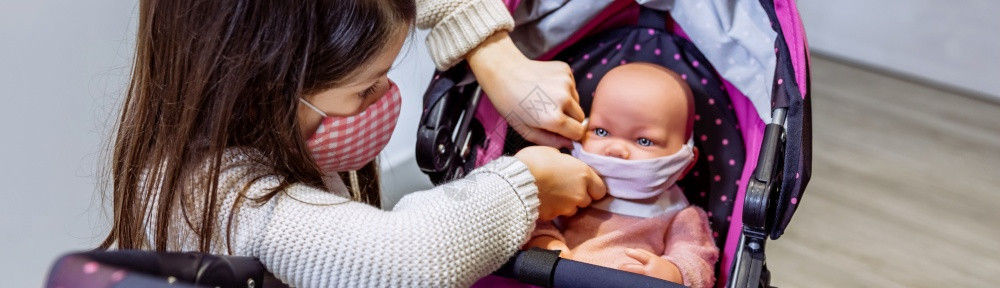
(365, 86)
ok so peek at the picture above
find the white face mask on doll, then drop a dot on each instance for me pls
(637, 179)
(348, 143)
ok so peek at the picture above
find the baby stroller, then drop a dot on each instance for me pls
(752, 106)
(747, 65)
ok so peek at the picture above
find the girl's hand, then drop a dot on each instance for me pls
(550, 243)
(564, 183)
(652, 265)
(538, 98)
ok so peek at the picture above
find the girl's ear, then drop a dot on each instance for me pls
(694, 160)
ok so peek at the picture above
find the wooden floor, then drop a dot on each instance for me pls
(905, 189)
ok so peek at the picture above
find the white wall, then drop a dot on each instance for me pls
(950, 43)
(63, 67)
(412, 73)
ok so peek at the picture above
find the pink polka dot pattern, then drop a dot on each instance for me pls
(586, 56)
(717, 178)
(723, 198)
(90, 267)
(118, 276)
(694, 63)
(732, 162)
(684, 76)
(711, 101)
(711, 157)
(718, 121)
(604, 61)
(677, 56)
(657, 51)
(795, 201)
(590, 76)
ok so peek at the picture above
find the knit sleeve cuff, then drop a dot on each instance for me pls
(464, 29)
(517, 174)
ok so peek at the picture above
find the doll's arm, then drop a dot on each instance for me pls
(652, 265)
(691, 248)
(547, 236)
(688, 256)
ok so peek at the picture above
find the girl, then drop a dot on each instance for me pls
(243, 119)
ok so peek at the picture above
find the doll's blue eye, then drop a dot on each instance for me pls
(601, 132)
(644, 142)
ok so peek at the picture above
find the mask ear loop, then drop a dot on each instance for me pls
(355, 186)
(313, 107)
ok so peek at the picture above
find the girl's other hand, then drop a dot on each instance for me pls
(538, 98)
(564, 183)
(551, 243)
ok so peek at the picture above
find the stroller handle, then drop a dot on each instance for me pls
(544, 268)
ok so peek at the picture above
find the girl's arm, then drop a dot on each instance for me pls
(458, 26)
(444, 237)
(538, 98)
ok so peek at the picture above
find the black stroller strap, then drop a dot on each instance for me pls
(534, 266)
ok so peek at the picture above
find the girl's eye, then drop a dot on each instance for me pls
(601, 132)
(368, 92)
(644, 142)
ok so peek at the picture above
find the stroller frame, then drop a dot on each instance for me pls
(765, 208)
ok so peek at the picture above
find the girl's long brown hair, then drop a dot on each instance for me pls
(212, 75)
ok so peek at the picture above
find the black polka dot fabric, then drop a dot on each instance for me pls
(714, 181)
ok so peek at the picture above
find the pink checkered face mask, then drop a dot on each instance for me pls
(348, 143)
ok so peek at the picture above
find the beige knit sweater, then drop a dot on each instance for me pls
(448, 236)
(458, 26)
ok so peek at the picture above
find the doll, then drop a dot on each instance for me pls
(638, 140)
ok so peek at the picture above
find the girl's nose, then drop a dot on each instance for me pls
(616, 150)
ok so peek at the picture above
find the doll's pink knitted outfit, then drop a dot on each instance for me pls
(600, 237)
(680, 234)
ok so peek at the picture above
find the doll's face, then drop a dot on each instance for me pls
(640, 111)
